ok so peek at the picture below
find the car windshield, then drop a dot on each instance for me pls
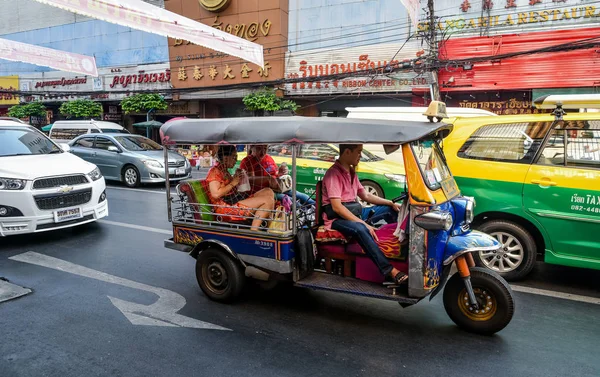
(432, 163)
(25, 142)
(138, 143)
(369, 157)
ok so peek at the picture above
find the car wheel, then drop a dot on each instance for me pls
(219, 276)
(131, 176)
(516, 257)
(494, 296)
(372, 188)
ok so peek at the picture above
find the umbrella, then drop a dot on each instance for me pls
(148, 124)
(48, 127)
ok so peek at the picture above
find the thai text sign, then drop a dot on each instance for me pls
(47, 57)
(139, 15)
(9, 84)
(374, 60)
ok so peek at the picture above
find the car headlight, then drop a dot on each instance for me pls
(152, 163)
(12, 184)
(395, 177)
(470, 210)
(187, 163)
(95, 174)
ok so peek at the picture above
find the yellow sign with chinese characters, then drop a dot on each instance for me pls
(9, 84)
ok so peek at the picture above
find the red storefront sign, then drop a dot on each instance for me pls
(564, 69)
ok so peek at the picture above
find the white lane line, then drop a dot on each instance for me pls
(138, 227)
(136, 190)
(516, 288)
(562, 295)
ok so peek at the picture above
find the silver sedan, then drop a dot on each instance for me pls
(131, 159)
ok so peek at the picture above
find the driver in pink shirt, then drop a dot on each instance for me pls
(343, 213)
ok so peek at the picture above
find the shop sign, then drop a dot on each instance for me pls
(141, 77)
(181, 108)
(505, 104)
(62, 82)
(112, 117)
(509, 16)
(197, 66)
(372, 60)
(9, 84)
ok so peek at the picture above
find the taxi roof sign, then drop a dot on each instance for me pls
(568, 101)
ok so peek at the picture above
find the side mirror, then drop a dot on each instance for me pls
(65, 147)
(112, 148)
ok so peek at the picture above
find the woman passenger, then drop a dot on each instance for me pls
(224, 194)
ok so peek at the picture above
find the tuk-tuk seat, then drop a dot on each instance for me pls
(197, 194)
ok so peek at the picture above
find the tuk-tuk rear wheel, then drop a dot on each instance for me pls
(494, 297)
(219, 276)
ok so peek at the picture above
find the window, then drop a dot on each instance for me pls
(19, 141)
(321, 152)
(103, 143)
(432, 164)
(554, 150)
(84, 142)
(512, 142)
(573, 143)
(67, 133)
(138, 143)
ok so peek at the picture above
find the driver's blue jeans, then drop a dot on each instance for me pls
(361, 234)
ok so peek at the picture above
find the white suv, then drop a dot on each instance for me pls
(42, 187)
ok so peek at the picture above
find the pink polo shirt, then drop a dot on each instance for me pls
(338, 184)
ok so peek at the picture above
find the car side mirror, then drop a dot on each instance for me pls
(65, 147)
(112, 148)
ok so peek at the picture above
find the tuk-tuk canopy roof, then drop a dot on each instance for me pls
(295, 130)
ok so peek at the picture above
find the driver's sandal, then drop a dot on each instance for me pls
(399, 279)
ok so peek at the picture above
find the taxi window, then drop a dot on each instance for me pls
(321, 152)
(509, 142)
(575, 144)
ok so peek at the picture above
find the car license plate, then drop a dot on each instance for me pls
(180, 171)
(67, 214)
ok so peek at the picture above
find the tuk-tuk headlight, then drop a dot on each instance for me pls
(470, 210)
(435, 220)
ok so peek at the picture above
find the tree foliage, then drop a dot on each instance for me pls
(143, 102)
(30, 109)
(265, 99)
(81, 108)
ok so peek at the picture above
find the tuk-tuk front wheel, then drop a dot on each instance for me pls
(494, 297)
(219, 276)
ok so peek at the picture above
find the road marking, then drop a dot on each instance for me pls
(562, 295)
(10, 291)
(138, 227)
(162, 313)
(137, 190)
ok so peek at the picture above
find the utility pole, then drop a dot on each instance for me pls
(433, 53)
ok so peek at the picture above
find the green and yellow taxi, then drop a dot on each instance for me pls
(379, 176)
(536, 180)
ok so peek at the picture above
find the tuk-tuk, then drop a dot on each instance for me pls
(289, 246)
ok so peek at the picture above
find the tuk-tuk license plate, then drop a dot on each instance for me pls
(67, 214)
(180, 171)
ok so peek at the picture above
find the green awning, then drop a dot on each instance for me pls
(48, 127)
(148, 124)
(537, 93)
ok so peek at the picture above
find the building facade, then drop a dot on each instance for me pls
(504, 34)
(119, 51)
